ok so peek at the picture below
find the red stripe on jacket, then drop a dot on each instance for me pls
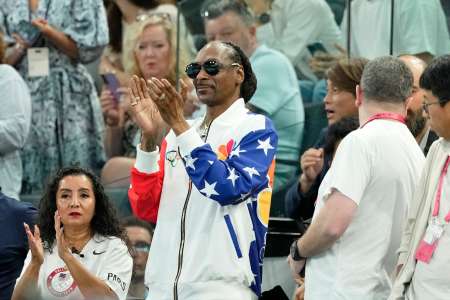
(145, 190)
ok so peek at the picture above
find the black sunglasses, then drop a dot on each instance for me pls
(211, 67)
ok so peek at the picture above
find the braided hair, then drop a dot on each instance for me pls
(248, 86)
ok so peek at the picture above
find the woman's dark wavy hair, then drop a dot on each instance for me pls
(248, 86)
(115, 20)
(105, 221)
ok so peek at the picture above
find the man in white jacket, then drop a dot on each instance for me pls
(424, 260)
(209, 186)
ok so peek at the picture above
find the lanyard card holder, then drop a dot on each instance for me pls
(430, 240)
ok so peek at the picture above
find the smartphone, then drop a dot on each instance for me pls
(113, 85)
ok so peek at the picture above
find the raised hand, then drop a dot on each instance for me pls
(300, 290)
(62, 245)
(144, 111)
(113, 111)
(35, 244)
(311, 164)
(170, 103)
(296, 267)
(42, 25)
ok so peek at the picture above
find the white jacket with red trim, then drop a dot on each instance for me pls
(210, 199)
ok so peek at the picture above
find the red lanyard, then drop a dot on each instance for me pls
(385, 116)
(437, 201)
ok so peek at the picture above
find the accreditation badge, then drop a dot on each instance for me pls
(430, 240)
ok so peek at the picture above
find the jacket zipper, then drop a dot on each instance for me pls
(181, 249)
(183, 232)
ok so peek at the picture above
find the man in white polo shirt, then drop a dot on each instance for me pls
(363, 200)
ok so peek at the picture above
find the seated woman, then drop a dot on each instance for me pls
(339, 103)
(79, 249)
(153, 56)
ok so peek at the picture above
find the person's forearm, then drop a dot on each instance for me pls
(14, 54)
(329, 225)
(148, 143)
(26, 287)
(11, 131)
(180, 127)
(305, 185)
(62, 42)
(90, 285)
(316, 240)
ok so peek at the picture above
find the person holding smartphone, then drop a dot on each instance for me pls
(153, 56)
(51, 40)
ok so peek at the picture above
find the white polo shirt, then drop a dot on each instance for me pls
(105, 257)
(419, 26)
(377, 167)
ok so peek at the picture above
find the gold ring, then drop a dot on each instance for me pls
(162, 97)
(137, 98)
(134, 103)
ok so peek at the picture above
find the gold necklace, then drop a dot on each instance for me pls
(204, 128)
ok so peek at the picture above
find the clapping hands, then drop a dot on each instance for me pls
(61, 243)
(35, 244)
(155, 101)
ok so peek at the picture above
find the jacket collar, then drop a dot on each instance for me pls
(228, 116)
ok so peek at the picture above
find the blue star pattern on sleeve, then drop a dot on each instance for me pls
(243, 172)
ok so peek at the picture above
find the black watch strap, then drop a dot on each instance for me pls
(295, 253)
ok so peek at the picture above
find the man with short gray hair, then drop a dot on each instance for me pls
(349, 249)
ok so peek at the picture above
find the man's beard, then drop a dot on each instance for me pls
(415, 121)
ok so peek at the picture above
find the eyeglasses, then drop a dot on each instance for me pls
(425, 105)
(141, 247)
(211, 67)
(145, 16)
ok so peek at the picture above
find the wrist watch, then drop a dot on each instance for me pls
(295, 253)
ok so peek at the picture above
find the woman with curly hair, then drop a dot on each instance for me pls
(79, 249)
